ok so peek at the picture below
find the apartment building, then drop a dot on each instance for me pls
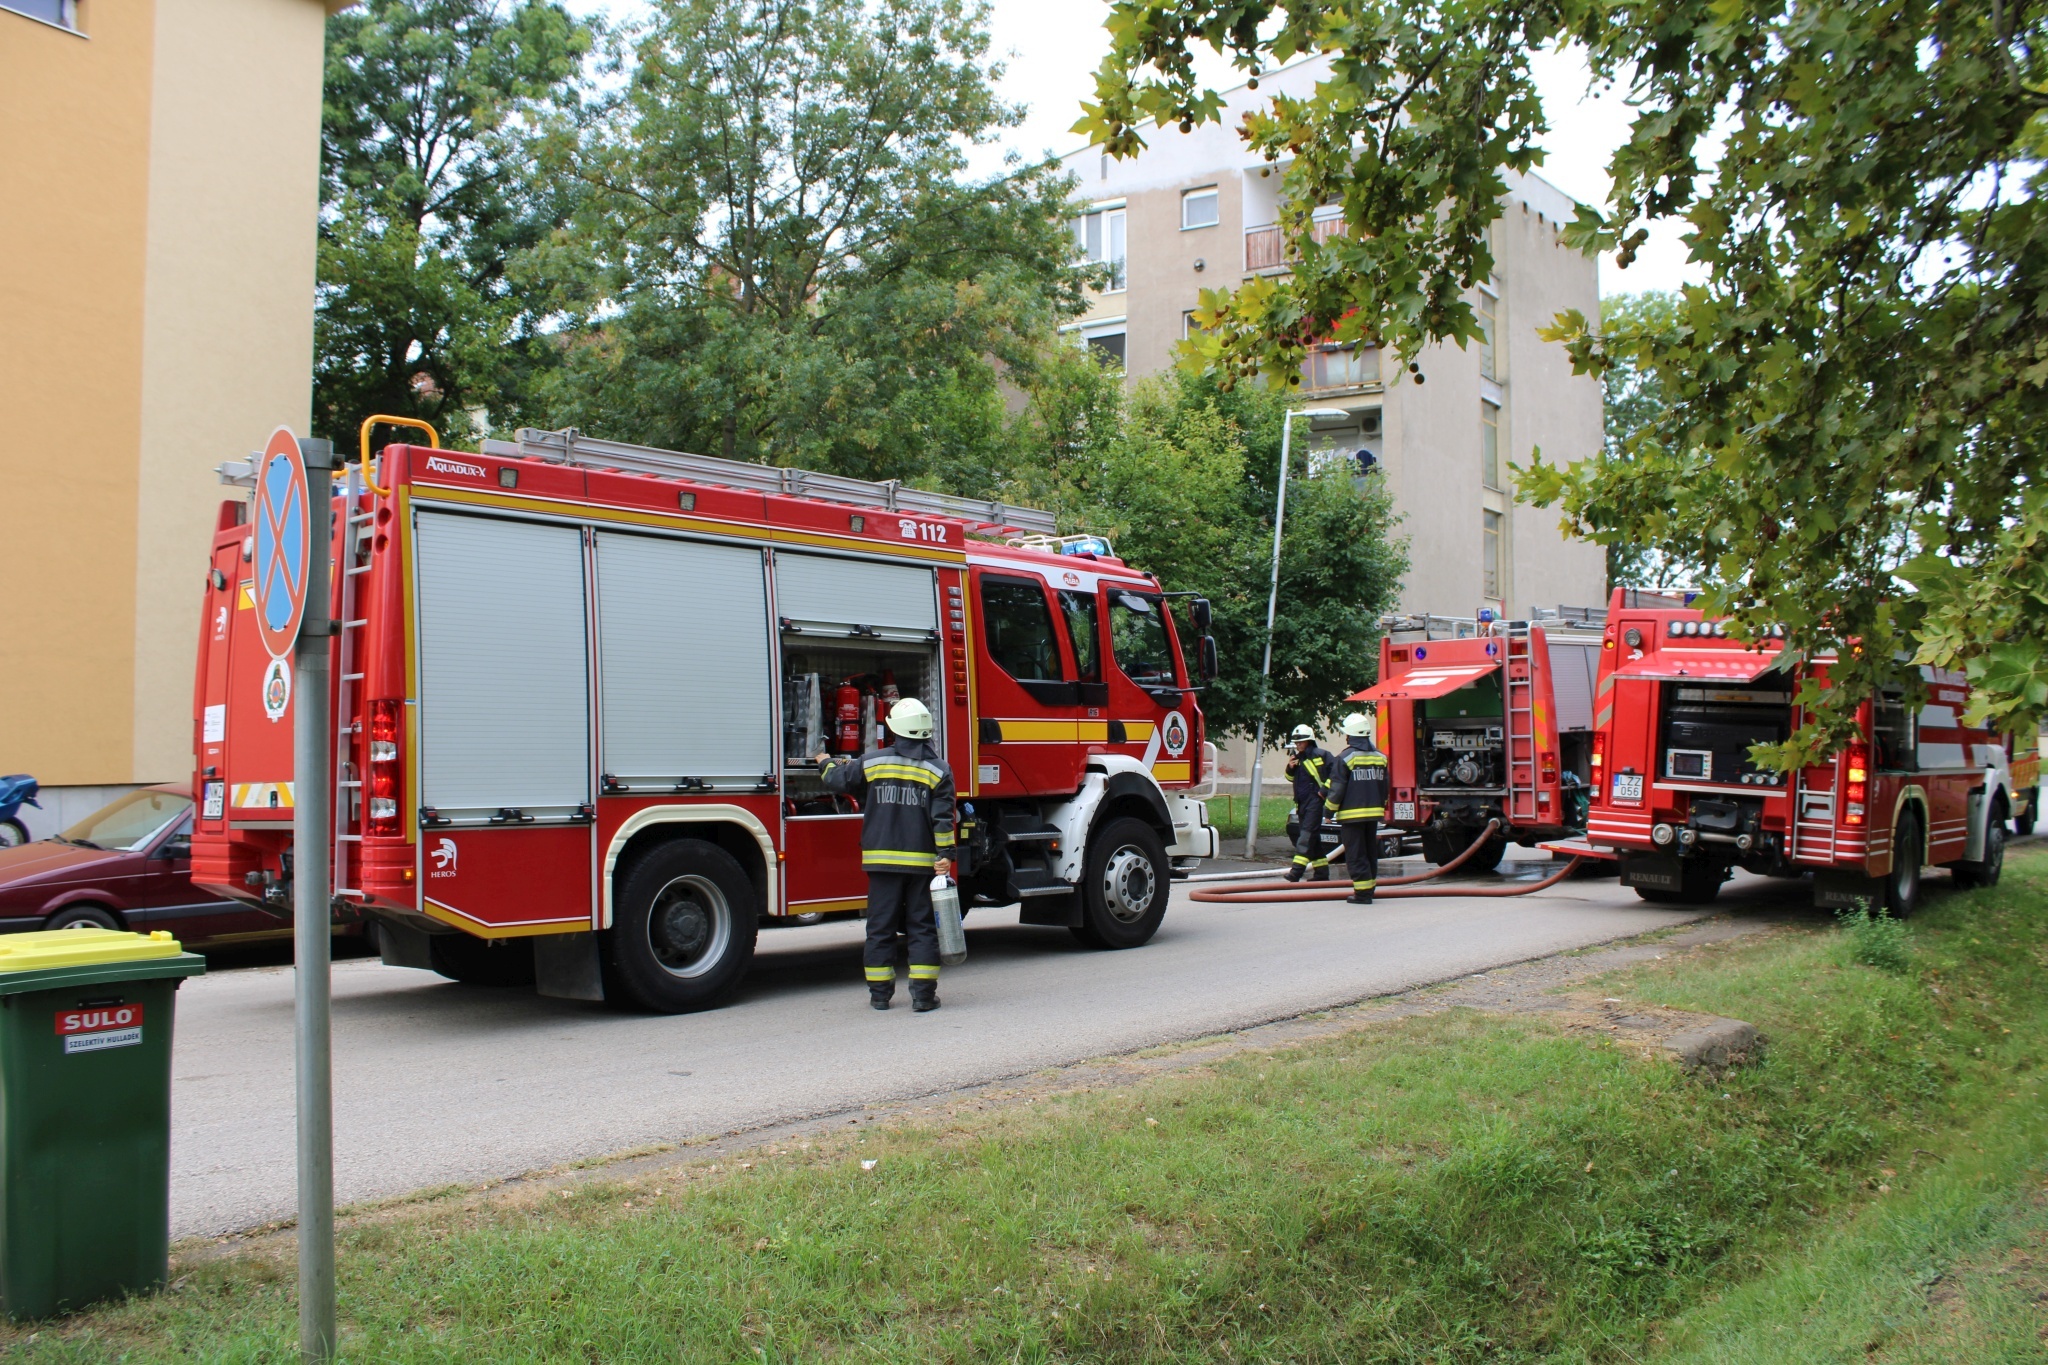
(1199, 210)
(159, 195)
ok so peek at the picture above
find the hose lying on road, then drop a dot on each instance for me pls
(1266, 892)
(1276, 883)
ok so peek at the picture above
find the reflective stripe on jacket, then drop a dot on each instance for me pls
(1311, 773)
(1358, 788)
(906, 794)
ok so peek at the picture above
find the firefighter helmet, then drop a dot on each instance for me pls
(910, 719)
(1302, 732)
(1357, 725)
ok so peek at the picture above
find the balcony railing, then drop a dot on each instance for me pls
(1340, 367)
(1265, 248)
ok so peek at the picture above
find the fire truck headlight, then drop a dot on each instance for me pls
(1662, 836)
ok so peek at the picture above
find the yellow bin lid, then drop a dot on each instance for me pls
(86, 947)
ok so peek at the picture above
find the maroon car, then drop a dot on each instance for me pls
(126, 866)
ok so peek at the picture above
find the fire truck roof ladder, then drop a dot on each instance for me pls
(572, 447)
(351, 800)
(1520, 707)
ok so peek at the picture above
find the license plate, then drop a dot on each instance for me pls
(1628, 786)
(1404, 810)
(215, 795)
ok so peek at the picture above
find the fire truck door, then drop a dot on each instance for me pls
(1145, 686)
(1944, 756)
(1030, 702)
(503, 724)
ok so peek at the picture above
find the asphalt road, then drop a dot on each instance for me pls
(438, 1083)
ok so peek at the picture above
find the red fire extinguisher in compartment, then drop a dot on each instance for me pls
(846, 721)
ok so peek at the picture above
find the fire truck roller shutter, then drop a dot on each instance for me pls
(897, 600)
(683, 649)
(504, 675)
(1573, 666)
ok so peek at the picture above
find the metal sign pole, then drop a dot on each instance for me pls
(312, 789)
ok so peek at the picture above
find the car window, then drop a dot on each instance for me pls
(1019, 625)
(1137, 634)
(1079, 609)
(130, 822)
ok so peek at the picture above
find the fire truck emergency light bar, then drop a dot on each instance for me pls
(572, 447)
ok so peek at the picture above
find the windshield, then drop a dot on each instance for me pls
(1137, 634)
(129, 823)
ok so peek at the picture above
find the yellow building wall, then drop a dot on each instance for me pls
(227, 335)
(74, 186)
(158, 210)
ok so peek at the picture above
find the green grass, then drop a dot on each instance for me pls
(1446, 1189)
(1229, 813)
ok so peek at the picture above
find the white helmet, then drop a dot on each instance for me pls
(1302, 732)
(1358, 725)
(910, 719)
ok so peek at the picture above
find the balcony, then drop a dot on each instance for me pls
(1327, 368)
(1265, 247)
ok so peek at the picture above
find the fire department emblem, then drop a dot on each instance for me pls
(1175, 734)
(277, 688)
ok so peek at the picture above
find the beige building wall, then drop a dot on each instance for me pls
(158, 202)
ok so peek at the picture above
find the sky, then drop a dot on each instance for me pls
(1050, 49)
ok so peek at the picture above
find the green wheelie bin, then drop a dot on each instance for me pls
(85, 1115)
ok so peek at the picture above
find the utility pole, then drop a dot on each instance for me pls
(312, 826)
(1251, 826)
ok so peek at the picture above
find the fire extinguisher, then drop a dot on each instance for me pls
(884, 704)
(846, 724)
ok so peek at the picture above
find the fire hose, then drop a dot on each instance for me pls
(1266, 892)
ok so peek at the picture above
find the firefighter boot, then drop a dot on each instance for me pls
(1320, 872)
(881, 987)
(924, 996)
(1295, 872)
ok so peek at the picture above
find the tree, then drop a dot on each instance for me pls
(776, 254)
(1180, 475)
(1635, 402)
(426, 195)
(1853, 443)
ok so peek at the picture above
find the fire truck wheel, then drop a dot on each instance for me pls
(482, 962)
(682, 930)
(1124, 886)
(1902, 885)
(1987, 871)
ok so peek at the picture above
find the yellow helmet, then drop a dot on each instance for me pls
(910, 719)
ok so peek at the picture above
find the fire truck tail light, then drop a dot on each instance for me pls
(1599, 755)
(1856, 784)
(1549, 767)
(384, 739)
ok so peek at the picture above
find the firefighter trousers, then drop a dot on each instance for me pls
(1361, 855)
(901, 903)
(1309, 849)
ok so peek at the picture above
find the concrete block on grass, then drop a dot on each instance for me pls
(1715, 1045)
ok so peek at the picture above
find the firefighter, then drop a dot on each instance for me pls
(1358, 794)
(1310, 768)
(906, 836)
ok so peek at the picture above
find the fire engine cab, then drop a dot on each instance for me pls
(1678, 797)
(1486, 721)
(558, 657)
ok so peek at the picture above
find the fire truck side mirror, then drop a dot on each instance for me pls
(1199, 613)
(1210, 663)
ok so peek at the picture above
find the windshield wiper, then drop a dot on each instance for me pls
(83, 843)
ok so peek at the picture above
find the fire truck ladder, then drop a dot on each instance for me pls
(348, 777)
(1519, 698)
(572, 447)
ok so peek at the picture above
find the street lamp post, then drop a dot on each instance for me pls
(1251, 827)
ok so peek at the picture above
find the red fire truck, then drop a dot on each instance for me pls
(580, 688)
(1679, 799)
(1486, 720)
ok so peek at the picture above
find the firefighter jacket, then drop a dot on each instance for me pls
(1311, 773)
(906, 796)
(1358, 788)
